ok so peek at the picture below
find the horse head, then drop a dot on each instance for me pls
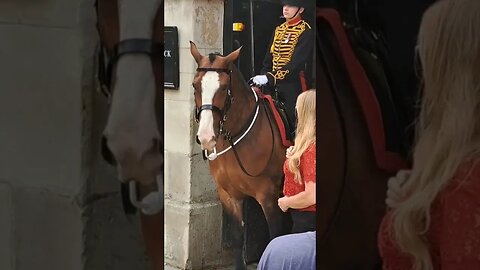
(133, 133)
(213, 94)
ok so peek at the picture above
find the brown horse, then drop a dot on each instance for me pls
(241, 140)
(131, 75)
(353, 158)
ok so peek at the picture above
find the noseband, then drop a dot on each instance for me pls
(107, 58)
(226, 107)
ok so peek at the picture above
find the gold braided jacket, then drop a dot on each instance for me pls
(283, 45)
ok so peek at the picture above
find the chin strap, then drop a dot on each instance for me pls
(298, 9)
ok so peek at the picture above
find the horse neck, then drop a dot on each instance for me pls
(243, 105)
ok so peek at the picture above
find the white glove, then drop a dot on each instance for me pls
(260, 80)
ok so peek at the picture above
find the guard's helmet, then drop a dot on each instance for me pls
(296, 3)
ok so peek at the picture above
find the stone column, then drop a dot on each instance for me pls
(193, 214)
(59, 203)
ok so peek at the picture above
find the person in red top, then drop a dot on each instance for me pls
(300, 168)
(434, 220)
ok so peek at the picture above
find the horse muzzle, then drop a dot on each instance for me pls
(209, 146)
(142, 172)
(206, 143)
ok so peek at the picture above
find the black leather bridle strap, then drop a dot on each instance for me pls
(127, 46)
(225, 70)
(228, 101)
(137, 45)
(134, 45)
(209, 107)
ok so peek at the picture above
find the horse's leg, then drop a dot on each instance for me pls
(152, 231)
(234, 208)
(273, 214)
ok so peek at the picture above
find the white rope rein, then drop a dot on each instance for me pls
(214, 154)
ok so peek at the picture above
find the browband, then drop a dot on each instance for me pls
(226, 70)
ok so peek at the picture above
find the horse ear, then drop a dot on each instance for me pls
(233, 55)
(195, 53)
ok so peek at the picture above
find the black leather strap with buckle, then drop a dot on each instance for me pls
(226, 70)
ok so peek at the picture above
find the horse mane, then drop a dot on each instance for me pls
(236, 72)
(212, 56)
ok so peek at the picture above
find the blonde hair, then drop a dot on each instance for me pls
(448, 124)
(306, 130)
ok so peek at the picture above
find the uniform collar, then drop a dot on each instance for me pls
(294, 21)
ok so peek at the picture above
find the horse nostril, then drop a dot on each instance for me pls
(197, 140)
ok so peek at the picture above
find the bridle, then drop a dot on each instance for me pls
(226, 106)
(227, 135)
(108, 57)
(110, 51)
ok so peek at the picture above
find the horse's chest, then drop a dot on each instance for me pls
(223, 179)
(229, 180)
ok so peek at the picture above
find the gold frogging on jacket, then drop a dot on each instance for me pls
(285, 39)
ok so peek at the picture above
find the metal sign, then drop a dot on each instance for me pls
(171, 57)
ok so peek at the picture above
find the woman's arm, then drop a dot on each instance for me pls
(301, 200)
(307, 197)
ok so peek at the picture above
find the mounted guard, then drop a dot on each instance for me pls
(284, 65)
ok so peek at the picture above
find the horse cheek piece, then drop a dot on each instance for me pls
(247, 154)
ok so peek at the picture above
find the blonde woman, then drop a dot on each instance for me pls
(434, 222)
(299, 168)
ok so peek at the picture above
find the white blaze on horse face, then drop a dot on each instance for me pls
(132, 125)
(206, 134)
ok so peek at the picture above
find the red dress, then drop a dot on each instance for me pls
(454, 232)
(307, 171)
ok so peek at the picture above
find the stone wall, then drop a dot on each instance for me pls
(59, 202)
(193, 214)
